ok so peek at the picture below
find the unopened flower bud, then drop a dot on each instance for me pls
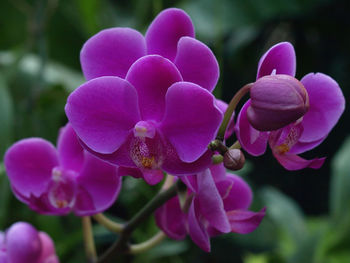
(276, 101)
(234, 159)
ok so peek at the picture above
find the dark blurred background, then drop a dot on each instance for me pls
(307, 220)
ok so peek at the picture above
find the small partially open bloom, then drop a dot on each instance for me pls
(326, 104)
(217, 202)
(23, 243)
(276, 101)
(58, 181)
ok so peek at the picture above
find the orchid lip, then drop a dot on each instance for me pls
(146, 153)
(62, 189)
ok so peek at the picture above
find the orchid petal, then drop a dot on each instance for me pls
(170, 219)
(119, 157)
(99, 112)
(327, 103)
(48, 253)
(152, 76)
(196, 229)
(279, 58)
(294, 162)
(174, 165)
(251, 140)
(183, 124)
(151, 177)
(197, 63)
(244, 222)
(70, 151)
(165, 31)
(29, 164)
(101, 181)
(235, 192)
(218, 172)
(210, 202)
(111, 52)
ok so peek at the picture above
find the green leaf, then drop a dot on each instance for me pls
(285, 213)
(340, 182)
(5, 194)
(6, 116)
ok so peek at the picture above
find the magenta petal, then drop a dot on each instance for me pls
(152, 177)
(119, 157)
(244, 222)
(29, 165)
(111, 52)
(70, 151)
(251, 140)
(165, 31)
(280, 57)
(3, 256)
(23, 243)
(101, 182)
(171, 220)
(48, 253)
(191, 119)
(294, 162)
(84, 204)
(174, 165)
(102, 112)
(190, 181)
(218, 172)
(197, 63)
(235, 193)
(152, 76)
(210, 202)
(327, 103)
(196, 229)
(301, 147)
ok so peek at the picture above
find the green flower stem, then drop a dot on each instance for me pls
(147, 245)
(89, 243)
(121, 245)
(230, 109)
(108, 223)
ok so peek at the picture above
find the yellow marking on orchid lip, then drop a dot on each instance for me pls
(61, 203)
(282, 149)
(141, 129)
(147, 162)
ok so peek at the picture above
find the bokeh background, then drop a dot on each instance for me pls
(308, 211)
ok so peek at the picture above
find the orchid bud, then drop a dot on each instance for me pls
(276, 101)
(234, 159)
(23, 243)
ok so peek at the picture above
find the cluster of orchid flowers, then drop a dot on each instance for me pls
(147, 110)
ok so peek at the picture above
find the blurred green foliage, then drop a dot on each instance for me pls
(39, 66)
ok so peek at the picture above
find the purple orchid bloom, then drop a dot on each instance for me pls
(218, 203)
(23, 243)
(58, 181)
(326, 104)
(147, 106)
